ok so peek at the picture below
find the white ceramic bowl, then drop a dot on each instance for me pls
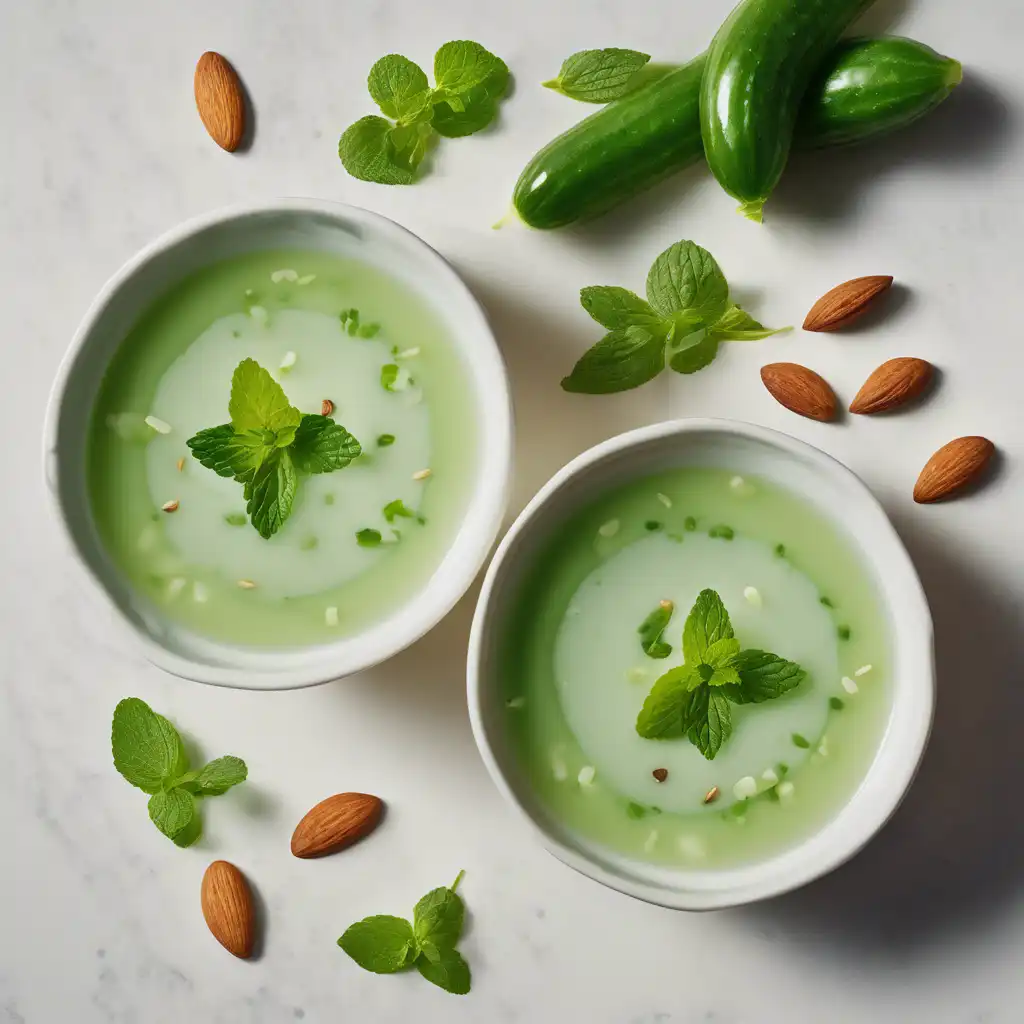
(847, 503)
(288, 223)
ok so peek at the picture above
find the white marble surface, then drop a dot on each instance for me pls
(99, 915)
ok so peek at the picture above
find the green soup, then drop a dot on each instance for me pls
(575, 674)
(202, 564)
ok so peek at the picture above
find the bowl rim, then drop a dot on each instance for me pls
(751, 882)
(486, 506)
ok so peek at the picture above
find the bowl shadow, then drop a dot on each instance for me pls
(951, 855)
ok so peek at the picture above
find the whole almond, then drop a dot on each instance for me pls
(335, 823)
(800, 390)
(844, 303)
(220, 100)
(893, 384)
(228, 908)
(952, 468)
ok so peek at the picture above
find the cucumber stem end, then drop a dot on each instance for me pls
(752, 209)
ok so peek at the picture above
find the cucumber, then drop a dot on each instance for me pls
(865, 87)
(759, 66)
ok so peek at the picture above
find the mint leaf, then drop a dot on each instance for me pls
(368, 153)
(479, 107)
(618, 308)
(652, 628)
(368, 538)
(707, 623)
(667, 709)
(710, 721)
(398, 508)
(721, 653)
(220, 775)
(621, 360)
(385, 440)
(389, 374)
(462, 65)
(737, 325)
(146, 747)
(598, 76)
(272, 494)
(686, 277)
(228, 453)
(399, 87)
(258, 402)
(437, 921)
(449, 971)
(696, 356)
(172, 811)
(763, 676)
(322, 446)
(382, 944)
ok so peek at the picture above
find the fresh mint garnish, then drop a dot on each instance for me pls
(386, 944)
(398, 509)
(385, 440)
(469, 83)
(684, 318)
(388, 376)
(149, 753)
(368, 538)
(652, 628)
(693, 699)
(267, 444)
(599, 76)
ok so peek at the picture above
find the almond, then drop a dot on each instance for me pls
(894, 383)
(228, 908)
(952, 468)
(220, 100)
(844, 303)
(335, 823)
(800, 390)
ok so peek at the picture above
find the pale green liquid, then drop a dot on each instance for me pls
(313, 581)
(575, 676)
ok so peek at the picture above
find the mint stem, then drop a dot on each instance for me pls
(455, 884)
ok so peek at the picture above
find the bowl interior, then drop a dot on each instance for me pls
(298, 224)
(840, 497)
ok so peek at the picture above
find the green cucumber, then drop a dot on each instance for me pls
(866, 86)
(759, 66)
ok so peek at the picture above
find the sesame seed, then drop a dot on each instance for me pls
(711, 795)
(176, 586)
(660, 774)
(157, 424)
(753, 595)
(665, 500)
(246, 584)
(745, 788)
(171, 506)
(289, 360)
(422, 474)
(331, 615)
(586, 775)
(666, 605)
(769, 776)
(610, 528)
(636, 674)
(409, 353)
(306, 279)
(849, 685)
(863, 670)
(284, 275)
(180, 464)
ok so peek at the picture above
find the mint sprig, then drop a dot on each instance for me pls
(268, 444)
(469, 83)
(599, 76)
(693, 699)
(385, 944)
(149, 753)
(652, 628)
(686, 315)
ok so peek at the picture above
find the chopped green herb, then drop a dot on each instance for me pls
(637, 811)
(782, 769)
(267, 444)
(235, 519)
(772, 795)
(844, 632)
(652, 628)
(826, 601)
(368, 330)
(396, 508)
(836, 703)
(394, 378)
(652, 525)
(780, 550)
(149, 753)
(722, 531)
(689, 524)
(686, 315)
(800, 741)
(693, 699)
(385, 440)
(368, 538)
(385, 944)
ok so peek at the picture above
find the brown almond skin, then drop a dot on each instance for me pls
(894, 383)
(844, 303)
(228, 908)
(220, 100)
(335, 823)
(800, 390)
(952, 468)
